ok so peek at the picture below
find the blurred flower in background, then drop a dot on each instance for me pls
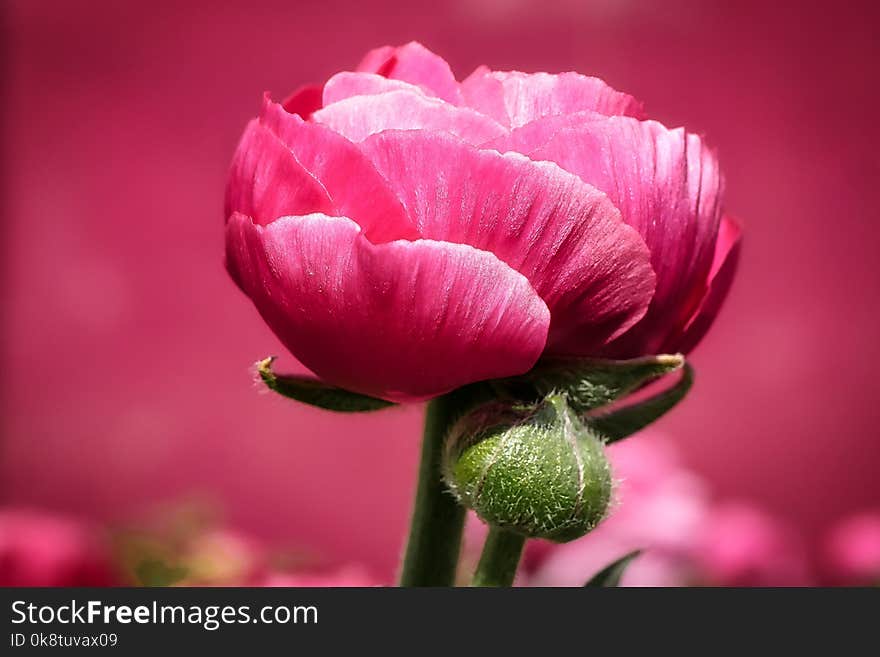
(347, 576)
(190, 546)
(853, 550)
(185, 546)
(38, 548)
(742, 545)
(686, 537)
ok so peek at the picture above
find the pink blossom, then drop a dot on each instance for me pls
(853, 549)
(660, 507)
(686, 538)
(347, 576)
(404, 233)
(42, 549)
(742, 545)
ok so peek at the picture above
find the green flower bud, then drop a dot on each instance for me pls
(536, 470)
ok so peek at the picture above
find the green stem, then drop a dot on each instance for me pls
(500, 558)
(437, 520)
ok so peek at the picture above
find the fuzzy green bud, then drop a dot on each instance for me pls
(536, 470)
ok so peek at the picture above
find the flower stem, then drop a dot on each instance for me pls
(438, 520)
(500, 558)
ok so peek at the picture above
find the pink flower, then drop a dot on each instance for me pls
(41, 549)
(348, 576)
(853, 549)
(742, 545)
(686, 539)
(404, 233)
(660, 509)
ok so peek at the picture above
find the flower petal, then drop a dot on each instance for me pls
(417, 65)
(347, 84)
(304, 101)
(359, 117)
(565, 236)
(515, 99)
(720, 279)
(532, 136)
(354, 186)
(667, 185)
(401, 320)
(266, 181)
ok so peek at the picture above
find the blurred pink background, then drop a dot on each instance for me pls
(126, 348)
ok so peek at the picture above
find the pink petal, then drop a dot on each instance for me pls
(359, 117)
(721, 276)
(304, 101)
(417, 65)
(667, 185)
(532, 136)
(515, 99)
(401, 320)
(566, 237)
(266, 181)
(346, 84)
(351, 181)
(378, 60)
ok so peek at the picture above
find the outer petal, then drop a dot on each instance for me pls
(347, 84)
(359, 117)
(667, 185)
(515, 99)
(720, 279)
(304, 101)
(417, 65)
(401, 320)
(352, 183)
(266, 181)
(566, 237)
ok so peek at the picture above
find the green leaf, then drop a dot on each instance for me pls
(156, 573)
(591, 383)
(610, 575)
(316, 393)
(628, 420)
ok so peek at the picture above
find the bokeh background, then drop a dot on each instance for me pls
(126, 349)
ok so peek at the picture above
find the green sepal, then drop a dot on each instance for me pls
(623, 422)
(589, 383)
(316, 393)
(611, 574)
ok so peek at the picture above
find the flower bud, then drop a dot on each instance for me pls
(536, 470)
